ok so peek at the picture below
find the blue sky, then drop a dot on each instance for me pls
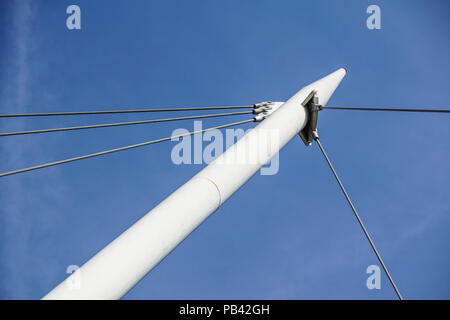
(297, 241)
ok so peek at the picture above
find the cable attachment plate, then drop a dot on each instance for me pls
(312, 108)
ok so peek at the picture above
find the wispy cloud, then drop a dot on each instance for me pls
(14, 98)
(17, 222)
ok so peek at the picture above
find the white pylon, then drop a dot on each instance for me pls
(113, 271)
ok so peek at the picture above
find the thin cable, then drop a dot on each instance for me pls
(45, 165)
(359, 219)
(119, 111)
(389, 109)
(123, 123)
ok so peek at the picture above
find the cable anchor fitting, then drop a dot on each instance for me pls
(265, 109)
(312, 107)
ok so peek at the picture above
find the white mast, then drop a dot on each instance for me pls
(113, 271)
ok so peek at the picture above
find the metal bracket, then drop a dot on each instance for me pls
(312, 108)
